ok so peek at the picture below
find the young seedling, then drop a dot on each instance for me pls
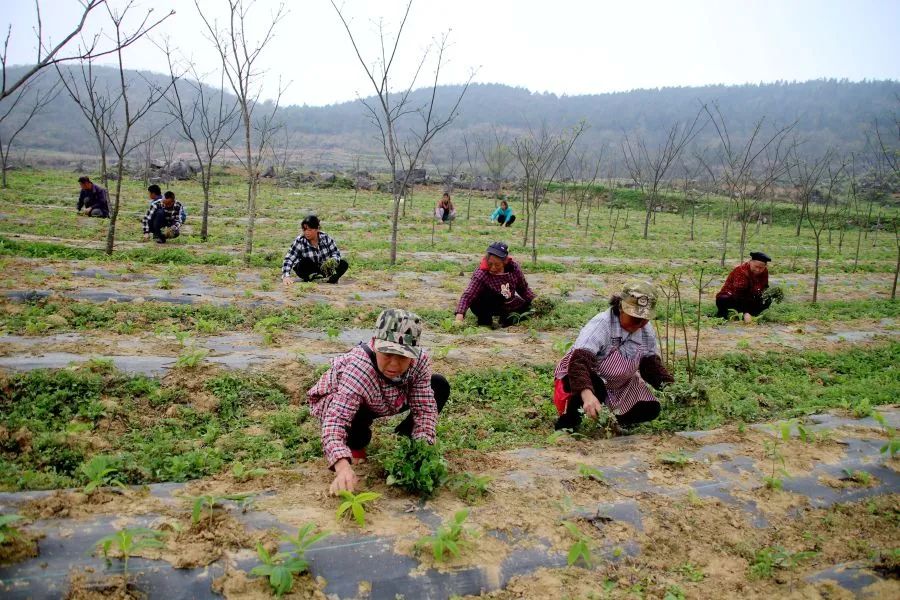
(191, 358)
(7, 531)
(280, 568)
(580, 548)
(333, 333)
(861, 477)
(775, 480)
(242, 474)
(447, 539)
(591, 473)
(766, 560)
(304, 539)
(470, 488)
(211, 502)
(678, 459)
(690, 572)
(355, 505)
(99, 473)
(892, 447)
(129, 542)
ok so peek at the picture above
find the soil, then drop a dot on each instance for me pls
(68, 504)
(238, 585)
(20, 547)
(86, 586)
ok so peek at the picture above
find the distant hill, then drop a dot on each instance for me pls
(831, 113)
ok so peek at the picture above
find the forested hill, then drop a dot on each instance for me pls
(830, 113)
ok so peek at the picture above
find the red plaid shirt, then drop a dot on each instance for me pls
(741, 284)
(510, 284)
(352, 382)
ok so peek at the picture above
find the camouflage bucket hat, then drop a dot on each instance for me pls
(397, 332)
(639, 299)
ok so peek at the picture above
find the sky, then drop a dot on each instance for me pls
(565, 46)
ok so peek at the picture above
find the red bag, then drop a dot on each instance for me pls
(560, 396)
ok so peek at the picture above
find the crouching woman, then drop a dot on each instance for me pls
(385, 376)
(614, 358)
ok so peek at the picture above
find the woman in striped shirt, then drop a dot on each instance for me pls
(614, 358)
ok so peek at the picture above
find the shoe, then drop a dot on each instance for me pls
(160, 240)
(332, 280)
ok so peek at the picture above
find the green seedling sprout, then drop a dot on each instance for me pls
(580, 548)
(766, 560)
(860, 477)
(470, 487)
(591, 473)
(447, 539)
(99, 473)
(7, 531)
(129, 542)
(241, 473)
(210, 502)
(355, 505)
(191, 358)
(892, 447)
(281, 567)
(775, 480)
(678, 459)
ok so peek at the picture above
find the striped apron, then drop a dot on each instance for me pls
(624, 386)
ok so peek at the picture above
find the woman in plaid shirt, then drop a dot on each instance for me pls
(497, 288)
(313, 255)
(388, 375)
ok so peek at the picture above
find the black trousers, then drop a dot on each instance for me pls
(502, 220)
(571, 419)
(490, 304)
(306, 269)
(360, 432)
(158, 222)
(754, 306)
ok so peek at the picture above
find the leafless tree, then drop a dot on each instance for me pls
(583, 170)
(541, 155)
(205, 118)
(49, 53)
(390, 106)
(692, 189)
(889, 144)
(18, 110)
(239, 54)
(497, 156)
(472, 163)
(117, 132)
(648, 167)
(746, 169)
(825, 172)
(98, 106)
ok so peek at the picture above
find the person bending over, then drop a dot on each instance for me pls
(313, 255)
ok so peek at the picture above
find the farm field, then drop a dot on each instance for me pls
(173, 378)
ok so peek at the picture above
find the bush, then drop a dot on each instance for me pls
(415, 466)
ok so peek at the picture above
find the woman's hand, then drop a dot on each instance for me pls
(344, 478)
(592, 406)
(287, 281)
(460, 317)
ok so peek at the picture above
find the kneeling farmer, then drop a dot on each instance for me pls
(744, 289)
(386, 376)
(614, 358)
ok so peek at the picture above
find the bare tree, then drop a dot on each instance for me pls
(206, 120)
(830, 176)
(746, 170)
(390, 107)
(117, 132)
(541, 155)
(29, 100)
(890, 153)
(239, 54)
(97, 106)
(49, 53)
(497, 156)
(648, 168)
(583, 170)
(472, 162)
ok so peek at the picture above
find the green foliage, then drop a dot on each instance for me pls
(447, 539)
(242, 473)
(355, 505)
(210, 502)
(191, 358)
(690, 572)
(766, 560)
(129, 542)
(861, 477)
(679, 459)
(591, 473)
(580, 548)
(281, 567)
(100, 471)
(7, 531)
(470, 487)
(773, 294)
(415, 466)
(775, 481)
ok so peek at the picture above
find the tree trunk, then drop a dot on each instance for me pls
(114, 213)
(206, 174)
(647, 219)
(897, 266)
(534, 237)
(693, 213)
(816, 270)
(725, 235)
(469, 206)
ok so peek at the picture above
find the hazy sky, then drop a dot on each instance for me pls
(561, 46)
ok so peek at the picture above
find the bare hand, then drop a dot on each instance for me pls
(460, 317)
(146, 237)
(748, 318)
(592, 405)
(287, 281)
(344, 479)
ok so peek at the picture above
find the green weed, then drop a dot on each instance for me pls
(7, 531)
(766, 560)
(191, 358)
(415, 466)
(470, 487)
(100, 471)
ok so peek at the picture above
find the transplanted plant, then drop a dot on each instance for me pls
(892, 447)
(591, 473)
(355, 505)
(580, 548)
(210, 502)
(416, 466)
(678, 459)
(7, 531)
(766, 560)
(281, 567)
(470, 487)
(242, 473)
(129, 542)
(191, 358)
(448, 539)
(100, 472)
